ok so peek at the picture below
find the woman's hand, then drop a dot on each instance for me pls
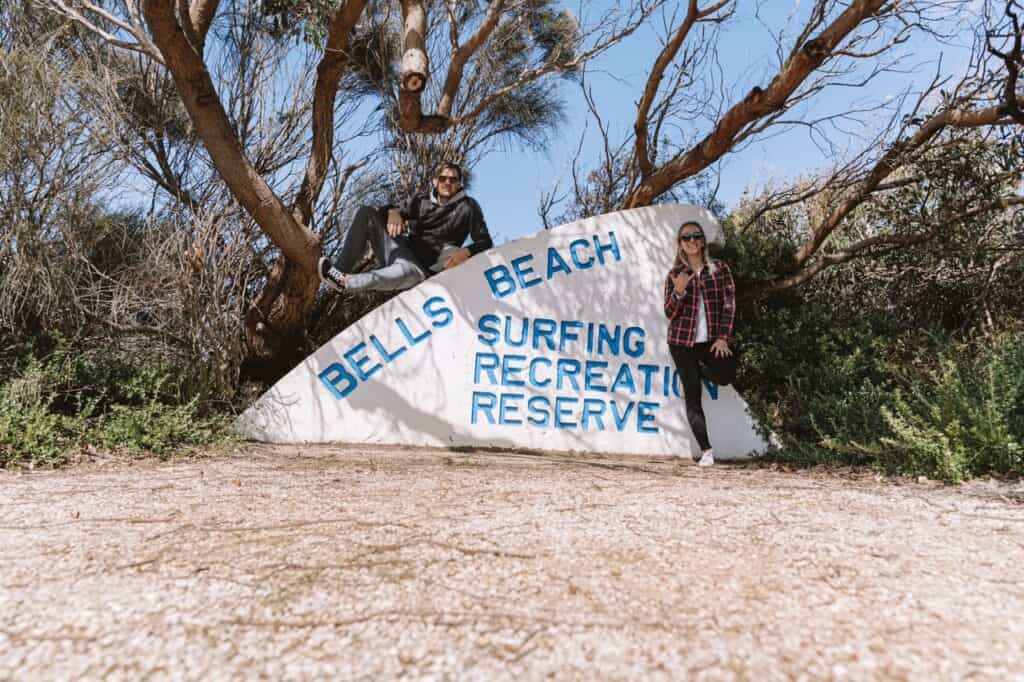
(680, 281)
(720, 348)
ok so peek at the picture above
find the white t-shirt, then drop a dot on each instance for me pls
(701, 335)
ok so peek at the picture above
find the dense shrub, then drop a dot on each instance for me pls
(964, 418)
(842, 375)
(56, 398)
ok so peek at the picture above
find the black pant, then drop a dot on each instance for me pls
(397, 267)
(695, 363)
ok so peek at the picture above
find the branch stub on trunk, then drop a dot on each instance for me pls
(414, 70)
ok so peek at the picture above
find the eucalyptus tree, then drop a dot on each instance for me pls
(181, 40)
(689, 119)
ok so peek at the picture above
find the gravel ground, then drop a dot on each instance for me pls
(294, 563)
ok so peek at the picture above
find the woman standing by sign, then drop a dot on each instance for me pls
(700, 303)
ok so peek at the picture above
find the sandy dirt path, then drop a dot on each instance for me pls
(295, 563)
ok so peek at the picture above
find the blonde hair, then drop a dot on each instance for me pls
(709, 262)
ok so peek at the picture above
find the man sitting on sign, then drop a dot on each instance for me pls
(413, 242)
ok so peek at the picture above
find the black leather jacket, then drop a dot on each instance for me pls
(432, 226)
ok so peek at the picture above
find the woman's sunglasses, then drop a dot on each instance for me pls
(690, 237)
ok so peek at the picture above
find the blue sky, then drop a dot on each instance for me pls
(509, 184)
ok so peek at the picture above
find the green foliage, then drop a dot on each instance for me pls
(906, 356)
(842, 375)
(758, 255)
(814, 377)
(30, 430)
(56, 399)
(964, 418)
(157, 427)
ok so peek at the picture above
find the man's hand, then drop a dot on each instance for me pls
(720, 349)
(457, 258)
(395, 222)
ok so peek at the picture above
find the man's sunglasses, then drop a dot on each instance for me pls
(690, 237)
(448, 178)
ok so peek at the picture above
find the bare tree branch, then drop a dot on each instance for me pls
(897, 154)
(462, 54)
(328, 75)
(665, 57)
(804, 59)
(1012, 58)
(872, 246)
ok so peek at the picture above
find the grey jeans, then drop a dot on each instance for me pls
(396, 265)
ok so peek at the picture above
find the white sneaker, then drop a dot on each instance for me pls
(707, 459)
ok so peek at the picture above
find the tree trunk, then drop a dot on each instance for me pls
(275, 324)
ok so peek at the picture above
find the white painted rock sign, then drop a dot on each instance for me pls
(556, 341)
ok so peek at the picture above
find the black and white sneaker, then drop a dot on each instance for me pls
(330, 275)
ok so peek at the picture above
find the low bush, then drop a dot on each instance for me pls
(55, 399)
(965, 418)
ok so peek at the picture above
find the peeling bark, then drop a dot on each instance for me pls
(415, 66)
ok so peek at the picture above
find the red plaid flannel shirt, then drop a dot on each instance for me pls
(719, 294)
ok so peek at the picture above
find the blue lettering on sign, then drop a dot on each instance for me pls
(633, 342)
(575, 252)
(592, 376)
(488, 326)
(508, 332)
(365, 358)
(544, 330)
(358, 363)
(544, 361)
(620, 419)
(584, 254)
(611, 247)
(511, 367)
(564, 412)
(593, 408)
(485, 362)
(568, 368)
(712, 389)
(540, 411)
(499, 279)
(413, 340)
(556, 264)
(384, 353)
(644, 414)
(624, 379)
(534, 364)
(523, 271)
(566, 332)
(435, 307)
(483, 403)
(574, 384)
(648, 372)
(508, 407)
(336, 374)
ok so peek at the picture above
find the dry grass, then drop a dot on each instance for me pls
(380, 563)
